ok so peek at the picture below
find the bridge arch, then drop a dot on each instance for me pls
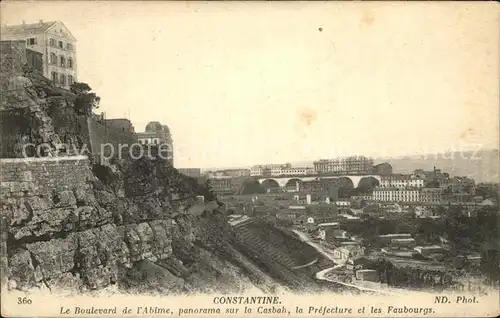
(368, 183)
(347, 180)
(345, 187)
(292, 182)
(251, 186)
(270, 183)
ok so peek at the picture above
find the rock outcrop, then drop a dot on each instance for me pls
(74, 225)
(91, 235)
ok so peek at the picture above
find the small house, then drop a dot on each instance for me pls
(367, 275)
(349, 251)
(402, 242)
(427, 250)
(359, 263)
(387, 238)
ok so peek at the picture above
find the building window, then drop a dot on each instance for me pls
(63, 61)
(54, 77)
(69, 46)
(52, 43)
(70, 80)
(31, 41)
(61, 44)
(53, 58)
(62, 79)
(70, 62)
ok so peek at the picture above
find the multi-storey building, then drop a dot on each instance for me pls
(56, 44)
(157, 134)
(214, 174)
(235, 172)
(268, 170)
(275, 169)
(408, 195)
(190, 172)
(256, 171)
(291, 171)
(457, 184)
(221, 185)
(431, 195)
(396, 195)
(355, 165)
(430, 177)
(401, 181)
(325, 187)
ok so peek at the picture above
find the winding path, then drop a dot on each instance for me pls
(321, 275)
(306, 265)
(322, 250)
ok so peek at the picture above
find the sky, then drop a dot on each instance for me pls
(272, 82)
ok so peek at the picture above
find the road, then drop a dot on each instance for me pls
(338, 264)
(322, 250)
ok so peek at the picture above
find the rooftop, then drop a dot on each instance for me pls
(395, 235)
(428, 247)
(31, 28)
(155, 126)
(297, 207)
(345, 158)
(147, 134)
(379, 189)
(401, 240)
(425, 265)
(328, 224)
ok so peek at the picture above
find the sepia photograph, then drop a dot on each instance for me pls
(249, 159)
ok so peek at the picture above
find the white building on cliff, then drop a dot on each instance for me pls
(157, 134)
(56, 44)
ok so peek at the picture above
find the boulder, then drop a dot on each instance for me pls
(64, 199)
(21, 268)
(55, 256)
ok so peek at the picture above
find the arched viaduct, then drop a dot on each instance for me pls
(283, 181)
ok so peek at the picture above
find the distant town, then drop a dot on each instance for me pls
(356, 212)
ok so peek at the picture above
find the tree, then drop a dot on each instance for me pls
(447, 191)
(490, 264)
(488, 191)
(432, 184)
(86, 100)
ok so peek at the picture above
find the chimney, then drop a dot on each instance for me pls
(41, 21)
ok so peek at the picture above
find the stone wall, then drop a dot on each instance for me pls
(34, 60)
(37, 175)
(13, 57)
(101, 135)
(65, 233)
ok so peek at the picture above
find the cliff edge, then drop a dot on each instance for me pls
(71, 224)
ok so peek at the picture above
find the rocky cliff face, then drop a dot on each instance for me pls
(77, 226)
(34, 111)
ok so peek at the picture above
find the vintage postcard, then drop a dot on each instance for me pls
(249, 159)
